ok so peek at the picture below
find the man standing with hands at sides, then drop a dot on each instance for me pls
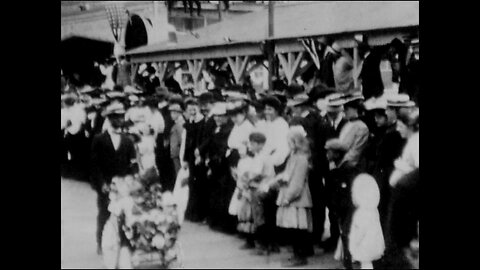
(113, 154)
(206, 129)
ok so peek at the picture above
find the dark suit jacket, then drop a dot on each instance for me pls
(205, 134)
(330, 130)
(218, 144)
(107, 163)
(372, 83)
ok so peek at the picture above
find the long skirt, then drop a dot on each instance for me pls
(291, 217)
(222, 188)
(245, 216)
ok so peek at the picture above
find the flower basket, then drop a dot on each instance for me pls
(147, 220)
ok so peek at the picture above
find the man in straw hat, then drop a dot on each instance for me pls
(386, 146)
(113, 154)
(355, 132)
(338, 185)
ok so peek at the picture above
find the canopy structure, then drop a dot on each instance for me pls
(245, 36)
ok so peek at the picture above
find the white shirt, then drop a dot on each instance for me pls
(115, 139)
(238, 138)
(76, 115)
(156, 121)
(410, 158)
(276, 132)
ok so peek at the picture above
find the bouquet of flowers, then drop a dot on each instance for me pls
(148, 220)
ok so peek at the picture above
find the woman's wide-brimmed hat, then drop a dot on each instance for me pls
(237, 107)
(273, 102)
(298, 100)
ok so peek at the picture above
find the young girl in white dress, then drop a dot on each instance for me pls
(366, 242)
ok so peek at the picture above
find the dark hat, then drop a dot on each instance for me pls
(191, 100)
(70, 97)
(354, 100)
(281, 97)
(217, 95)
(272, 101)
(294, 89)
(175, 107)
(206, 97)
(320, 91)
(151, 101)
(336, 145)
(162, 93)
(257, 137)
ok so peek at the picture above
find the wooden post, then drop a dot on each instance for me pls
(271, 45)
(356, 60)
(133, 73)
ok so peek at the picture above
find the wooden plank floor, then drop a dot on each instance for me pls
(201, 247)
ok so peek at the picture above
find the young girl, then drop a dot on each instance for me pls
(366, 242)
(258, 170)
(294, 200)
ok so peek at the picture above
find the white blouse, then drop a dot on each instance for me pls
(277, 143)
(238, 138)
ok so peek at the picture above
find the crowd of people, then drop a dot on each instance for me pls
(269, 166)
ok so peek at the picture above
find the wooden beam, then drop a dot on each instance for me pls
(290, 65)
(161, 70)
(133, 73)
(296, 64)
(284, 63)
(254, 66)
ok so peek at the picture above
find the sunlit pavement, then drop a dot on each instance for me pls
(201, 247)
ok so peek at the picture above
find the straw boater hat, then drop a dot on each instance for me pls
(376, 104)
(353, 100)
(336, 145)
(114, 109)
(298, 100)
(400, 101)
(335, 102)
(219, 108)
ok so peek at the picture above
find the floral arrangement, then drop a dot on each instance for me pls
(148, 219)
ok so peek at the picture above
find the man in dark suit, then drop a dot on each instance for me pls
(113, 154)
(206, 129)
(310, 119)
